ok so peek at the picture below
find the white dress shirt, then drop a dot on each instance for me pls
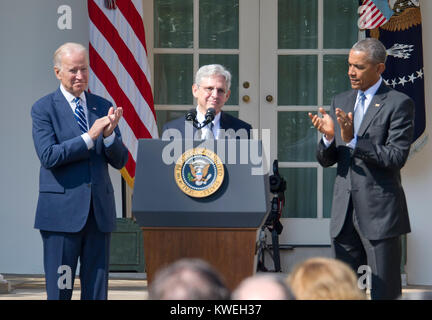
(216, 124)
(369, 93)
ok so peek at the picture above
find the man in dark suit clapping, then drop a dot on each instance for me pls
(368, 134)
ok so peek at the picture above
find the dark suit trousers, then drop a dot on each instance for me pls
(61, 253)
(382, 256)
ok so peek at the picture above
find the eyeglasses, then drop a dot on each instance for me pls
(209, 90)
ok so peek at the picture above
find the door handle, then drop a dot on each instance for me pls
(269, 98)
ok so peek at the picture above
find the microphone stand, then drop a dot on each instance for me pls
(209, 117)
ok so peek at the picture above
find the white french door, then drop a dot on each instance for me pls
(287, 57)
(182, 35)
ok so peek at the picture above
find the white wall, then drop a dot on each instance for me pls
(417, 178)
(29, 36)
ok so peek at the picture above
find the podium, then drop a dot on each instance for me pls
(220, 228)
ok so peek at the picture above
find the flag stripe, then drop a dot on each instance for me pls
(124, 55)
(377, 19)
(125, 30)
(135, 124)
(370, 15)
(130, 167)
(110, 82)
(128, 137)
(126, 84)
(134, 19)
(119, 71)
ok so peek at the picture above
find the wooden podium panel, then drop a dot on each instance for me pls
(230, 251)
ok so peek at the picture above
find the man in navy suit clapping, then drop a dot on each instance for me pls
(76, 136)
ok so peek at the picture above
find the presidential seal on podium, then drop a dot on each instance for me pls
(199, 172)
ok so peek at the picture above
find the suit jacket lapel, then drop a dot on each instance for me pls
(349, 107)
(92, 110)
(224, 122)
(65, 112)
(375, 105)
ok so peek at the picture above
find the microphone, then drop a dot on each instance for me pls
(191, 116)
(209, 116)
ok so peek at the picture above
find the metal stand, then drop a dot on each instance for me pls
(275, 228)
(273, 224)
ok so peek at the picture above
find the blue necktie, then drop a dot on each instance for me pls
(359, 112)
(80, 115)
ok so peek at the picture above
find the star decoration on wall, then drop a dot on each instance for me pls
(402, 80)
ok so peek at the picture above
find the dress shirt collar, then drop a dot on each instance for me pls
(216, 120)
(369, 93)
(70, 97)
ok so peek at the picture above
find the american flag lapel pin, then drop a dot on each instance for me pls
(377, 105)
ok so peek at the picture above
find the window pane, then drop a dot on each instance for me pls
(229, 61)
(335, 76)
(164, 116)
(219, 24)
(297, 24)
(297, 80)
(301, 192)
(340, 23)
(297, 138)
(173, 78)
(173, 24)
(329, 178)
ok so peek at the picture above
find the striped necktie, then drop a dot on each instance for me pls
(80, 115)
(359, 112)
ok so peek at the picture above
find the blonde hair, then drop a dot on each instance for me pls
(66, 48)
(324, 279)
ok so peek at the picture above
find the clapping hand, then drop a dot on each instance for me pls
(113, 117)
(323, 124)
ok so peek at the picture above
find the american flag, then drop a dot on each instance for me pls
(374, 13)
(119, 70)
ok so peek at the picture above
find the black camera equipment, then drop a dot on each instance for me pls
(209, 117)
(272, 223)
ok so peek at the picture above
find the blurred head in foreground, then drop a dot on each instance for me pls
(324, 279)
(263, 287)
(188, 279)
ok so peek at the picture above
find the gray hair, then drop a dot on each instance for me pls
(374, 48)
(67, 48)
(188, 279)
(213, 70)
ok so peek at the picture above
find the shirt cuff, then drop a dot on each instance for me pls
(109, 140)
(88, 141)
(327, 142)
(352, 144)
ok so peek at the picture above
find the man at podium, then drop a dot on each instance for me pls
(211, 90)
